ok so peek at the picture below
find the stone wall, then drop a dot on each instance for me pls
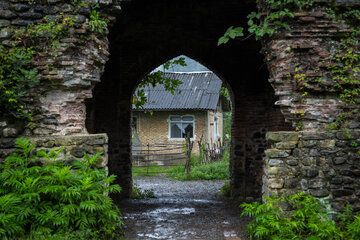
(74, 146)
(89, 86)
(324, 164)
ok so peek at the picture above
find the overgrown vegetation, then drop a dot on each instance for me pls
(305, 219)
(226, 190)
(17, 74)
(57, 200)
(275, 15)
(210, 171)
(138, 193)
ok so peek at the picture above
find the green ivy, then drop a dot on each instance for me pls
(17, 77)
(39, 201)
(17, 74)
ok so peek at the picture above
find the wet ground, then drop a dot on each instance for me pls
(182, 210)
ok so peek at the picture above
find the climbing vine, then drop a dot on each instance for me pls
(17, 74)
(274, 15)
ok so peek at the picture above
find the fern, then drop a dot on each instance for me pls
(306, 220)
(52, 201)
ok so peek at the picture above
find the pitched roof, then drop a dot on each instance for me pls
(199, 90)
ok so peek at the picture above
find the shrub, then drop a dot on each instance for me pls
(48, 201)
(305, 219)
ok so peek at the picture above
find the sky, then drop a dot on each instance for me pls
(192, 66)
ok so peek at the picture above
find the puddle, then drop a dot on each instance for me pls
(184, 211)
(195, 211)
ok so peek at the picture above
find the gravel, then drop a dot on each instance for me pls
(181, 210)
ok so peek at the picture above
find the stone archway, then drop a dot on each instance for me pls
(146, 35)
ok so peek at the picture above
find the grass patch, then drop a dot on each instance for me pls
(210, 171)
(152, 171)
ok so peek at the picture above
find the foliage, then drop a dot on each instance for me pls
(151, 170)
(17, 75)
(138, 193)
(260, 25)
(210, 171)
(48, 200)
(225, 190)
(96, 23)
(231, 33)
(305, 220)
(227, 116)
(154, 78)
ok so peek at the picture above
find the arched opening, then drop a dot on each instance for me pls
(147, 34)
(199, 108)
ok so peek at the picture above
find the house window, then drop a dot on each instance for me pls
(181, 126)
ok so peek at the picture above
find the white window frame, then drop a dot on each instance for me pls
(185, 115)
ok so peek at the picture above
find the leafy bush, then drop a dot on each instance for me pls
(305, 219)
(48, 201)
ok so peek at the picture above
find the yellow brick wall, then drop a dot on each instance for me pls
(155, 128)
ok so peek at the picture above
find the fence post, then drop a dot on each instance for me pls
(189, 146)
(148, 159)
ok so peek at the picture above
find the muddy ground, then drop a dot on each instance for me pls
(182, 210)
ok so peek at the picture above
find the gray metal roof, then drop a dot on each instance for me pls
(199, 90)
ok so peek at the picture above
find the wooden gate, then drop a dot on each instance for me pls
(159, 154)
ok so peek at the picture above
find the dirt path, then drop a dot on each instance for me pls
(182, 210)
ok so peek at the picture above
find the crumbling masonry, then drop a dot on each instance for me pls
(89, 86)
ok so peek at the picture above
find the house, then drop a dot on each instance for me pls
(196, 109)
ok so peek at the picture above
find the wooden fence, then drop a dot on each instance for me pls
(160, 154)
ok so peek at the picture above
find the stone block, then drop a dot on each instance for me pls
(342, 192)
(347, 136)
(286, 145)
(312, 173)
(328, 143)
(4, 23)
(292, 162)
(317, 183)
(291, 183)
(10, 132)
(276, 171)
(319, 192)
(276, 183)
(275, 162)
(336, 180)
(339, 160)
(281, 136)
(275, 153)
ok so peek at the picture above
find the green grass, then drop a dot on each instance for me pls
(211, 171)
(151, 171)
